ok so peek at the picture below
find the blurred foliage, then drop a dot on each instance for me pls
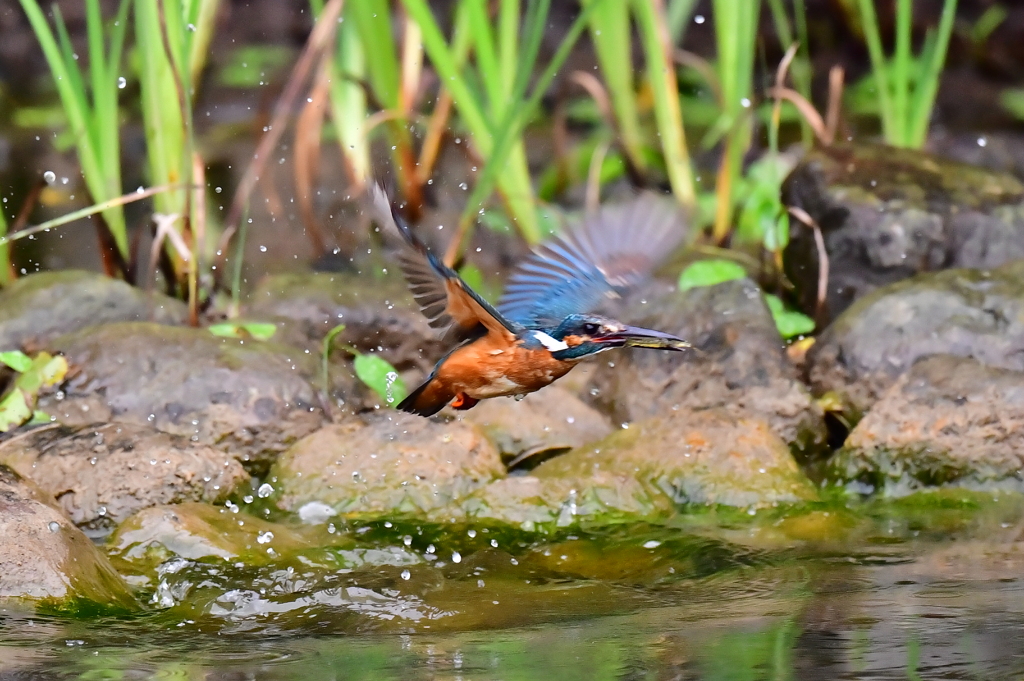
(373, 370)
(17, 406)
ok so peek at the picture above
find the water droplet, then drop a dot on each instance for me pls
(54, 526)
(389, 381)
(264, 537)
(264, 491)
(652, 544)
(471, 533)
(407, 540)
(192, 28)
(121, 83)
(456, 557)
(50, 177)
(263, 249)
(406, 575)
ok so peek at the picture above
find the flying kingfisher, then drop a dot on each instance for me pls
(543, 325)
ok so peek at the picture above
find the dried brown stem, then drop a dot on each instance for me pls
(318, 41)
(823, 267)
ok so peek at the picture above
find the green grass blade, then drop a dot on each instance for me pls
(348, 100)
(373, 17)
(508, 44)
(677, 15)
(667, 111)
(869, 21)
(486, 57)
(928, 84)
(901, 67)
(470, 108)
(610, 33)
(516, 116)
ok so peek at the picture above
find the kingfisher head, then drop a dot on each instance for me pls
(582, 335)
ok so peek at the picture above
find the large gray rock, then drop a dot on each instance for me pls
(41, 306)
(390, 464)
(887, 214)
(968, 313)
(45, 559)
(103, 473)
(545, 421)
(249, 398)
(739, 364)
(949, 421)
(650, 469)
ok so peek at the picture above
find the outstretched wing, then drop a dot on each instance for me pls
(450, 306)
(612, 251)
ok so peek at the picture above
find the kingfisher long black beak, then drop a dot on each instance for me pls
(637, 337)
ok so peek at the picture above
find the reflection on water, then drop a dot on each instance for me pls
(813, 619)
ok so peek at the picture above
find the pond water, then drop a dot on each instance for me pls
(885, 591)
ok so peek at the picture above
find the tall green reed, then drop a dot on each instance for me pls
(172, 38)
(735, 37)
(906, 85)
(90, 99)
(488, 93)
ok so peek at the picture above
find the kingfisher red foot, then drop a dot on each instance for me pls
(543, 325)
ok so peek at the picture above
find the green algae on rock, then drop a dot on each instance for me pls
(102, 473)
(949, 421)
(390, 463)
(196, 531)
(249, 398)
(40, 306)
(46, 561)
(649, 470)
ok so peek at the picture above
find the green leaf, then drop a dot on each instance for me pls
(40, 417)
(17, 360)
(709, 273)
(257, 330)
(14, 410)
(377, 373)
(790, 323)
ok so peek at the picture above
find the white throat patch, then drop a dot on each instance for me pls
(550, 343)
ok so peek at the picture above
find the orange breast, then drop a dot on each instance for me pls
(491, 368)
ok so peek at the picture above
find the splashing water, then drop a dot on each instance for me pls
(389, 382)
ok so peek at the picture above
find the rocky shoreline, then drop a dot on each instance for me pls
(169, 443)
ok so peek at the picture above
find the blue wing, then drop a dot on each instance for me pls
(449, 305)
(612, 251)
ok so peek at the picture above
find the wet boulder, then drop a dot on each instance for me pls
(377, 310)
(967, 313)
(100, 474)
(41, 306)
(651, 468)
(887, 214)
(201, 532)
(391, 463)
(739, 363)
(248, 398)
(45, 559)
(546, 421)
(948, 421)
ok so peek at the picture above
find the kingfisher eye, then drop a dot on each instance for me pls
(590, 328)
